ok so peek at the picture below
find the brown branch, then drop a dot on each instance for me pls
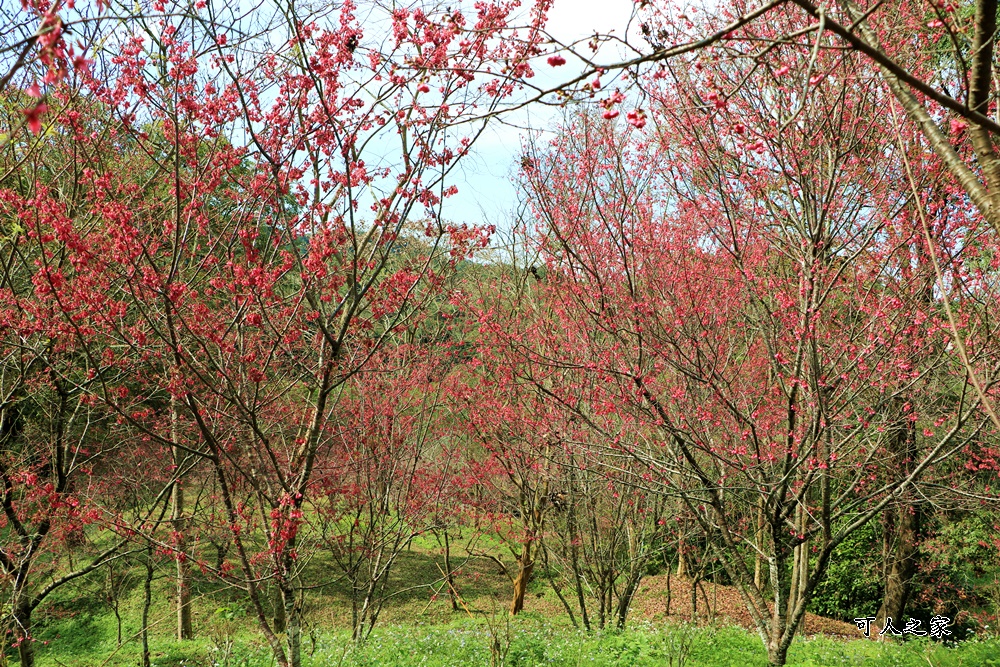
(876, 54)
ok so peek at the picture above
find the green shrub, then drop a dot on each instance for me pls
(852, 587)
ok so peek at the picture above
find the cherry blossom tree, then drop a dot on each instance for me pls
(56, 442)
(243, 262)
(722, 291)
(389, 476)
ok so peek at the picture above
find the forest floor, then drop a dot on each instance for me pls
(716, 603)
(485, 589)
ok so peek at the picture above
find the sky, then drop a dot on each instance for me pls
(485, 178)
(486, 192)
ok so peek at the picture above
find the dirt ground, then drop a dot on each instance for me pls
(722, 602)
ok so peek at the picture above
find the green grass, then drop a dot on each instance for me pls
(524, 642)
(76, 628)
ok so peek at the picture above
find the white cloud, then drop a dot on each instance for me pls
(577, 19)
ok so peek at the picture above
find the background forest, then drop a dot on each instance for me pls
(731, 361)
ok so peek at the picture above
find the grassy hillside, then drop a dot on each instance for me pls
(79, 628)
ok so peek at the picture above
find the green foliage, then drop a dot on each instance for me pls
(852, 587)
(960, 567)
(958, 563)
(230, 612)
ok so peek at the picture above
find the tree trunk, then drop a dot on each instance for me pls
(901, 566)
(900, 539)
(525, 567)
(22, 632)
(179, 523)
(556, 588)
(683, 567)
(758, 561)
(293, 623)
(355, 610)
(625, 601)
(694, 599)
(147, 602)
(574, 547)
(793, 588)
(113, 601)
(777, 655)
(278, 603)
(449, 575)
(800, 567)
(803, 575)
(669, 596)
